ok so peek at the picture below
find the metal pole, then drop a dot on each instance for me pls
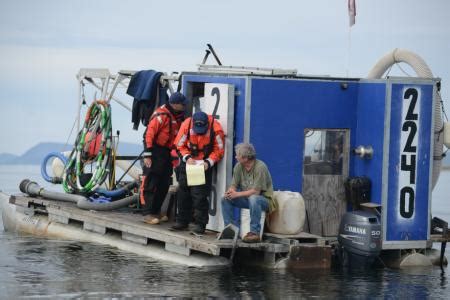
(80, 83)
(206, 56)
(214, 53)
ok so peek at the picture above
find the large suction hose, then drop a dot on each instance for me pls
(33, 189)
(422, 70)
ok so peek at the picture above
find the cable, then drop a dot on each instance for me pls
(401, 69)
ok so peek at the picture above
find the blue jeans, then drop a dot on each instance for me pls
(255, 203)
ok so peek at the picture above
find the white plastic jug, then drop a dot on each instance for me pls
(289, 218)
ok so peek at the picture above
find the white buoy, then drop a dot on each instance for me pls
(447, 134)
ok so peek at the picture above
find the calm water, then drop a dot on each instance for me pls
(32, 267)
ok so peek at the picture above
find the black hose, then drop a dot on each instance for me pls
(35, 190)
(88, 205)
(118, 192)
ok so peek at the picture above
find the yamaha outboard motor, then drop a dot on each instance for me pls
(359, 238)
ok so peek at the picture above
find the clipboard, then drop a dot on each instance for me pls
(195, 174)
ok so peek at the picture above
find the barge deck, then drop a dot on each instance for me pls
(303, 250)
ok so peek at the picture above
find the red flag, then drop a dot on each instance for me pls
(351, 12)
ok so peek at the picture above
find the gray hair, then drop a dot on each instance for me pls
(245, 150)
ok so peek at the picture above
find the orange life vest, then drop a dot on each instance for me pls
(162, 128)
(208, 146)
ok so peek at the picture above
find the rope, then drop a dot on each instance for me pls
(97, 124)
(401, 69)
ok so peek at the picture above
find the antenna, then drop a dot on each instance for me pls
(206, 56)
(214, 53)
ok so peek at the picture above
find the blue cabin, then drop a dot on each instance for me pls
(314, 133)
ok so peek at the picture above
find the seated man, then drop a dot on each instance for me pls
(250, 188)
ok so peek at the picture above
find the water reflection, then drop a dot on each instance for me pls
(34, 267)
(39, 267)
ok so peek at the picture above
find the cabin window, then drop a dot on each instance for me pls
(324, 151)
(195, 91)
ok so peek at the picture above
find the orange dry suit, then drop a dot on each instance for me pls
(208, 147)
(159, 136)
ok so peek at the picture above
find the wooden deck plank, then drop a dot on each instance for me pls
(135, 225)
(123, 222)
(439, 238)
(299, 235)
(128, 223)
(133, 228)
(297, 239)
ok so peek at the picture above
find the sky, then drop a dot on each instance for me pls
(44, 43)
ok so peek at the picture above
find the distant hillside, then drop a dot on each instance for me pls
(36, 154)
(129, 149)
(5, 158)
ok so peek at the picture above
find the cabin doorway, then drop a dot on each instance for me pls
(325, 168)
(216, 99)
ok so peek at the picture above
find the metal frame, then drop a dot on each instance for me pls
(386, 144)
(107, 79)
(229, 143)
(248, 108)
(246, 70)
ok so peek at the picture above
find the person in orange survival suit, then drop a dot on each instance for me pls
(157, 170)
(200, 138)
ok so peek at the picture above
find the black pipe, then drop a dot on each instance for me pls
(35, 190)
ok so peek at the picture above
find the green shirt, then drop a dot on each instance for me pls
(257, 178)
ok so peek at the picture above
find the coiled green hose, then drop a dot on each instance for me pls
(97, 122)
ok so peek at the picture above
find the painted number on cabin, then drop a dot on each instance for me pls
(409, 151)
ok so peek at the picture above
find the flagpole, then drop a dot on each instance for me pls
(349, 43)
(351, 5)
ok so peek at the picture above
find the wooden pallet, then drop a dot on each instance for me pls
(132, 228)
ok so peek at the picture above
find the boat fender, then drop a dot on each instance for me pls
(92, 144)
(447, 135)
